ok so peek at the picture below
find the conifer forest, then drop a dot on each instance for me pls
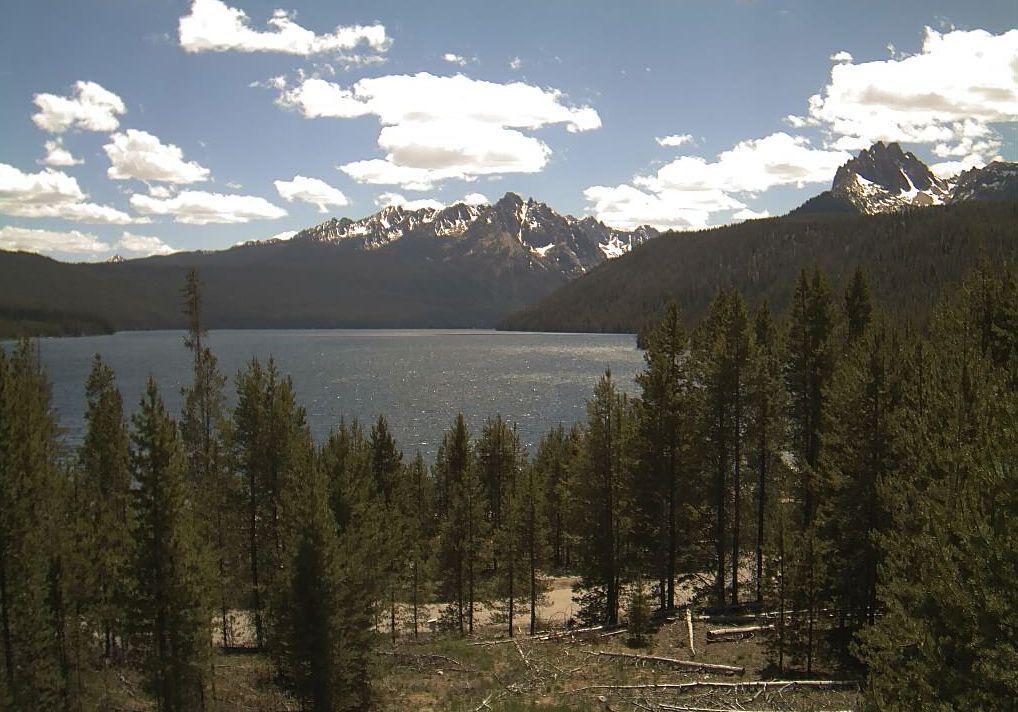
(833, 487)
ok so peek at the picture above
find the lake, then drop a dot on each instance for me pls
(419, 379)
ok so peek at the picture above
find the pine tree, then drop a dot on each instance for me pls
(600, 499)
(858, 309)
(416, 504)
(664, 430)
(104, 497)
(950, 552)
(386, 469)
(33, 671)
(500, 460)
(203, 429)
(461, 511)
(171, 568)
(765, 426)
(551, 463)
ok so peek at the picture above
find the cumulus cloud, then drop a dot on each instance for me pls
(841, 56)
(475, 199)
(91, 108)
(958, 80)
(195, 207)
(675, 140)
(142, 156)
(311, 190)
(57, 155)
(214, 26)
(454, 59)
(436, 128)
(142, 245)
(690, 191)
(52, 194)
(386, 200)
(51, 242)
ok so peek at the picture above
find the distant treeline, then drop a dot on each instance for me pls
(911, 259)
(855, 477)
(17, 322)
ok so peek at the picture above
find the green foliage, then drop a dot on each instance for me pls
(171, 608)
(601, 508)
(950, 555)
(30, 489)
(103, 504)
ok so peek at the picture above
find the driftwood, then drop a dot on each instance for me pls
(740, 632)
(681, 664)
(711, 685)
(689, 626)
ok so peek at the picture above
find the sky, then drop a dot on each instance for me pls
(139, 127)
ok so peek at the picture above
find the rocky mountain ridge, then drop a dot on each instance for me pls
(884, 179)
(526, 231)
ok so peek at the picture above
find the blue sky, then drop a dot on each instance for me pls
(143, 126)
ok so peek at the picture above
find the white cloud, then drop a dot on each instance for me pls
(515, 63)
(92, 108)
(747, 214)
(52, 194)
(689, 191)
(389, 199)
(214, 26)
(751, 166)
(142, 156)
(841, 56)
(195, 207)
(475, 199)
(454, 59)
(311, 190)
(142, 245)
(438, 128)
(57, 155)
(675, 140)
(50, 241)
(959, 78)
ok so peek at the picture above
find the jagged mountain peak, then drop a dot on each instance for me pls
(885, 178)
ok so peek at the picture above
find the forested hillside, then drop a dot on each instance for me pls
(910, 257)
(852, 482)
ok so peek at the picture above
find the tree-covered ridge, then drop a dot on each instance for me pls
(911, 259)
(854, 477)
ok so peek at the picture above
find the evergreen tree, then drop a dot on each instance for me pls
(386, 469)
(859, 459)
(34, 667)
(461, 510)
(765, 427)
(416, 501)
(171, 577)
(949, 557)
(664, 430)
(551, 464)
(104, 498)
(500, 460)
(858, 309)
(600, 499)
(203, 429)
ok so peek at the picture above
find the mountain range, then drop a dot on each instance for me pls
(474, 265)
(883, 179)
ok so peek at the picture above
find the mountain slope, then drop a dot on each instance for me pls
(909, 258)
(463, 266)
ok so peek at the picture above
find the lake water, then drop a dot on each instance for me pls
(418, 379)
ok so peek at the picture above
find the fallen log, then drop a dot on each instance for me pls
(689, 626)
(739, 632)
(569, 633)
(681, 664)
(711, 685)
(683, 708)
